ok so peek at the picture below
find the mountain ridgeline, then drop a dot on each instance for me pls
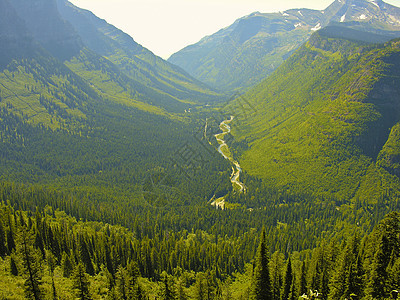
(241, 55)
(109, 162)
(326, 121)
(76, 119)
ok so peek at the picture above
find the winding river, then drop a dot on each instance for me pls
(223, 149)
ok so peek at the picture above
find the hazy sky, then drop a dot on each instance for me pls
(166, 26)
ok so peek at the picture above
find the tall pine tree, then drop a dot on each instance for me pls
(303, 281)
(31, 263)
(261, 289)
(81, 283)
(287, 281)
(3, 248)
(345, 276)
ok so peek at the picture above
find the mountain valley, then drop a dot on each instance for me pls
(125, 176)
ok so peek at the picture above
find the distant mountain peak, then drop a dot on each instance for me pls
(244, 53)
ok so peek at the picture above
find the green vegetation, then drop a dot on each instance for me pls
(92, 260)
(106, 182)
(319, 123)
(141, 74)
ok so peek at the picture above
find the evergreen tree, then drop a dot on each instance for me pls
(377, 284)
(53, 289)
(395, 277)
(133, 287)
(31, 263)
(319, 282)
(293, 293)
(180, 291)
(345, 278)
(168, 287)
(85, 257)
(10, 239)
(261, 280)
(81, 282)
(51, 261)
(39, 243)
(121, 280)
(3, 248)
(109, 263)
(66, 265)
(287, 281)
(303, 281)
(275, 266)
(355, 279)
(13, 266)
(201, 287)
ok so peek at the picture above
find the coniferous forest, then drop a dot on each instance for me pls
(124, 176)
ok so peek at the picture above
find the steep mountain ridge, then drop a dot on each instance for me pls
(46, 25)
(244, 53)
(326, 121)
(135, 61)
(15, 40)
(150, 84)
(76, 120)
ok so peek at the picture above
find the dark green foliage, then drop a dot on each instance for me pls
(204, 288)
(180, 292)
(288, 282)
(67, 265)
(394, 281)
(81, 283)
(347, 279)
(53, 290)
(378, 280)
(85, 256)
(168, 288)
(303, 281)
(13, 266)
(31, 264)
(10, 239)
(261, 289)
(122, 283)
(276, 265)
(350, 270)
(51, 261)
(3, 248)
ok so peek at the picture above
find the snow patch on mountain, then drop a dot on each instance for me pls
(374, 2)
(317, 27)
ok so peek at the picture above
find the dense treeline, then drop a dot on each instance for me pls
(357, 268)
(56, 256)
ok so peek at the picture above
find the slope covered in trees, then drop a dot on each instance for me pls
(75, 120)
(105, 185)
(325, 123)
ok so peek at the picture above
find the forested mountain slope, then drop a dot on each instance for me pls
(72, 118)
(246, 52)
(326, 122)
(150, 79)
(135, 61)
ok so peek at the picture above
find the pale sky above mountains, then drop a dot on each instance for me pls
(166, 26)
